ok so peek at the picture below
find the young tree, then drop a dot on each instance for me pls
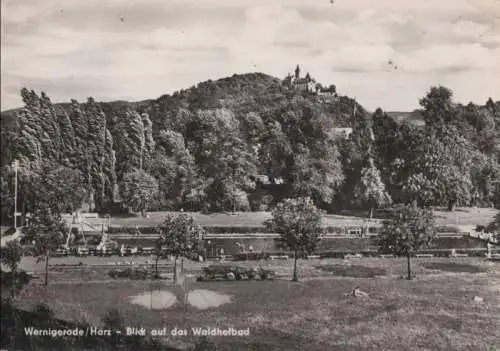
(11, 257)
(181, 234)
(48, 231)
(137, 189)
(298, 222)
(410, 229)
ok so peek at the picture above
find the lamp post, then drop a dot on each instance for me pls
(15, 165)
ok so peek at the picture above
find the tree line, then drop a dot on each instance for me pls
(208, 147)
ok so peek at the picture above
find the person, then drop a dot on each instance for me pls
(250, 248)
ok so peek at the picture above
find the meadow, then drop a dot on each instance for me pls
(435, 311)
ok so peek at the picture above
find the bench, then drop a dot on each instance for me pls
(387, 256)
(424, 255)
(282, 257)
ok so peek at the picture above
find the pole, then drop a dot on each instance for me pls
(16, 163)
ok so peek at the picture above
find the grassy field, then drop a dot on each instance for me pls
(461, 216)
(435, 311)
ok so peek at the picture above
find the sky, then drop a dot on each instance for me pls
(384, 53)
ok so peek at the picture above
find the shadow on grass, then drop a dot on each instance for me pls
(453, 267)
(354, 271)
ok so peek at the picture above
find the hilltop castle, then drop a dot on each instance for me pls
(309, 85)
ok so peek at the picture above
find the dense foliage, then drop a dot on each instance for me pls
(244, 143)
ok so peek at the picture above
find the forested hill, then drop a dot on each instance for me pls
(247, 98)
(211, 146)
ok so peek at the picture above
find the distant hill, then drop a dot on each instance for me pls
(241, 93)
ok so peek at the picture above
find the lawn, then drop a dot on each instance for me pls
(461, 216)
(435, 311)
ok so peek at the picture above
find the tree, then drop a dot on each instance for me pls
(226, 161)
(387, 141)
(129, 141)
(174, 168)
(299, 148)
(47, 230)
(486, 180)
(68, 142)
(137, 189)
(410, 229)
(62, 188)
(181, 234)
(11, 254)
(371, 189)
(228, 173)
(274, 150)
(438, 107)
(148, 142)
(298, 222)
(435, 168)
